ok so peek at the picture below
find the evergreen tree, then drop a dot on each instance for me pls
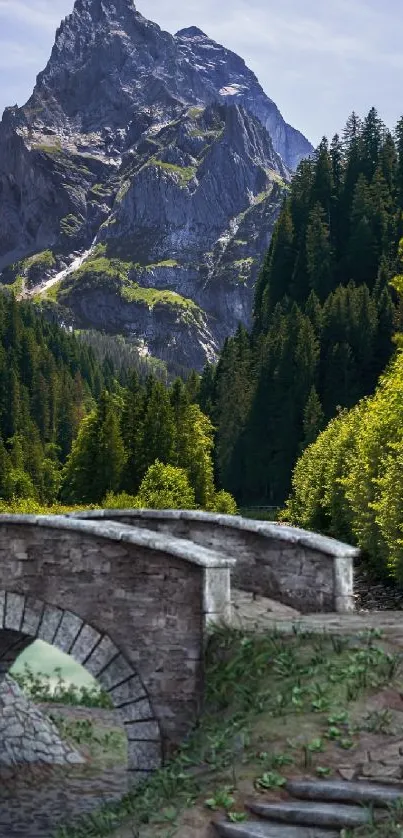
(319, 253)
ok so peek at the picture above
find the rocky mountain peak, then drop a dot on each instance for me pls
(190, 33)
(142, 180)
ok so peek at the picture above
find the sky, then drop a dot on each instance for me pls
(317, 60)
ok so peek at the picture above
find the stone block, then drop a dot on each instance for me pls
(85, 644)
(143, 731)
(144, 756)
(116, 672)
(14, 611)
(344, 604)
(101, 656)
(32, 616)
(67, 632)
(50, 623)
(217, 590)
(2, 608)
(130, 691)
(137, 711)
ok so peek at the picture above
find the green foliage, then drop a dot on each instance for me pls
(48, 382)
(119, 501)
(324, 314)
(166, 487)
(97, 458)
(224, 503)
(184, 174)
(135, 293)
(348, 482)
(70, 225)
(54, 689)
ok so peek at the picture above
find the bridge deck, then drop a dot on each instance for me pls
(261, 614)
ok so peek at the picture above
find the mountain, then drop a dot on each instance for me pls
(140, 183)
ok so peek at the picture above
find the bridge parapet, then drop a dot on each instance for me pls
(305, 570)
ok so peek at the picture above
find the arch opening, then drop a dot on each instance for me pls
(26, 620)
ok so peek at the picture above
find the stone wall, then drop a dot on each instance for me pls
(130, 605)
(27, 735)
(307, 571)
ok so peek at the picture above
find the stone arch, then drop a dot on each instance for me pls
(24, 619)
(144, 600)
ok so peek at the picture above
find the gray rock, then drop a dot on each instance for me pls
(256, 829)
(164, 148)
(345, 792)
(314, 814)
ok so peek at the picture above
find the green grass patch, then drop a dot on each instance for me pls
(48, 148)
(167, 263)
(195, 112)
(153, 296)
(184, 173)
(275, 706)
(50, 294)
(18, 286)
(70, 225)
(44, 260)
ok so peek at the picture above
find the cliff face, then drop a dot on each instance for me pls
(158, 156)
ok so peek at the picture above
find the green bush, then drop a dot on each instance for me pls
(166, 487)
(224, 504)
(120, 501)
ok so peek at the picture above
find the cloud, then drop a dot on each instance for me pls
(40, 13)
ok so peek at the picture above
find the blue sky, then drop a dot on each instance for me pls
(317, 60)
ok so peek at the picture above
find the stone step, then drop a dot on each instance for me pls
(345, 791)
(257, 829)
(325, 815)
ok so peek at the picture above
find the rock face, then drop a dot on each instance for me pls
(165, 154)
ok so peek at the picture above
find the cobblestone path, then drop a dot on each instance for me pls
(254, 613)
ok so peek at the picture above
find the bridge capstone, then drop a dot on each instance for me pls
(131, 605)
(308, 571)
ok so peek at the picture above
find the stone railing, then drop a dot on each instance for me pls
(307, 571)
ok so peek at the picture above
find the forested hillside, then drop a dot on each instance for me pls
(349, 482)
(324, 312)
(48, 381)
(73, 428)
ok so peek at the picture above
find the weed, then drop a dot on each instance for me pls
(237, 817)
(222, 799)
(44, 688)
(378, 721)
(270, 780)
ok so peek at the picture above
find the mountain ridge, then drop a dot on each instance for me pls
(155, 147)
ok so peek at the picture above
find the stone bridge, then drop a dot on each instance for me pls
(130, 596)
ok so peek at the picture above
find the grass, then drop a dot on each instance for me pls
(195, 112)
(275, 706)
(101, 271)
(44, 260)
(184, 173)
(50, 294)
(18, 286)
(48, 148)
(70, 225)
(167, 263)
(151, 297)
